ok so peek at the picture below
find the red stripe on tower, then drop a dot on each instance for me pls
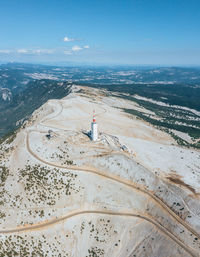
(94, 119)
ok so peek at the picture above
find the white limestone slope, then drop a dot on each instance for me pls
(134, 192)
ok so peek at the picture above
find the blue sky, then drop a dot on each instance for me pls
(161, 32)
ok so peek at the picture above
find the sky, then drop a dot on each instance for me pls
(121, 32)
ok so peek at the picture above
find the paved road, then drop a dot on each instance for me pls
(103, 212)
(116, 179)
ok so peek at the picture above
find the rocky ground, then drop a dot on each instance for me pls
(132, 193)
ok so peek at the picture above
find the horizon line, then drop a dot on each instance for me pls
(68, 64)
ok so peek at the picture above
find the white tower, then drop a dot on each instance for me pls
(94, 131)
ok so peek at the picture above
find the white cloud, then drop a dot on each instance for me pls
(5, 51)
(76, 48)
(42, 51)
(22, 51)
(67, 39)
(35, 51)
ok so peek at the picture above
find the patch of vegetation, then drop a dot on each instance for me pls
(2, 215)
(5, 143)
(9, 137)
(181, 94)
(95, 252)
(166, 126)
(4, 174)
(46, 185)
(20, 246)
(82, 227)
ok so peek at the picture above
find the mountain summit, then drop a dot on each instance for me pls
(133, 192)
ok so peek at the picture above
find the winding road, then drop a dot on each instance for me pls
(115, 178)
(103, 212)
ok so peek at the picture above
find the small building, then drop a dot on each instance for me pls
(49, 135)
(94, 129)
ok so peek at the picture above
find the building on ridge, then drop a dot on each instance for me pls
(94, 129)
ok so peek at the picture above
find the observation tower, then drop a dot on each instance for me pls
(94, 128)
